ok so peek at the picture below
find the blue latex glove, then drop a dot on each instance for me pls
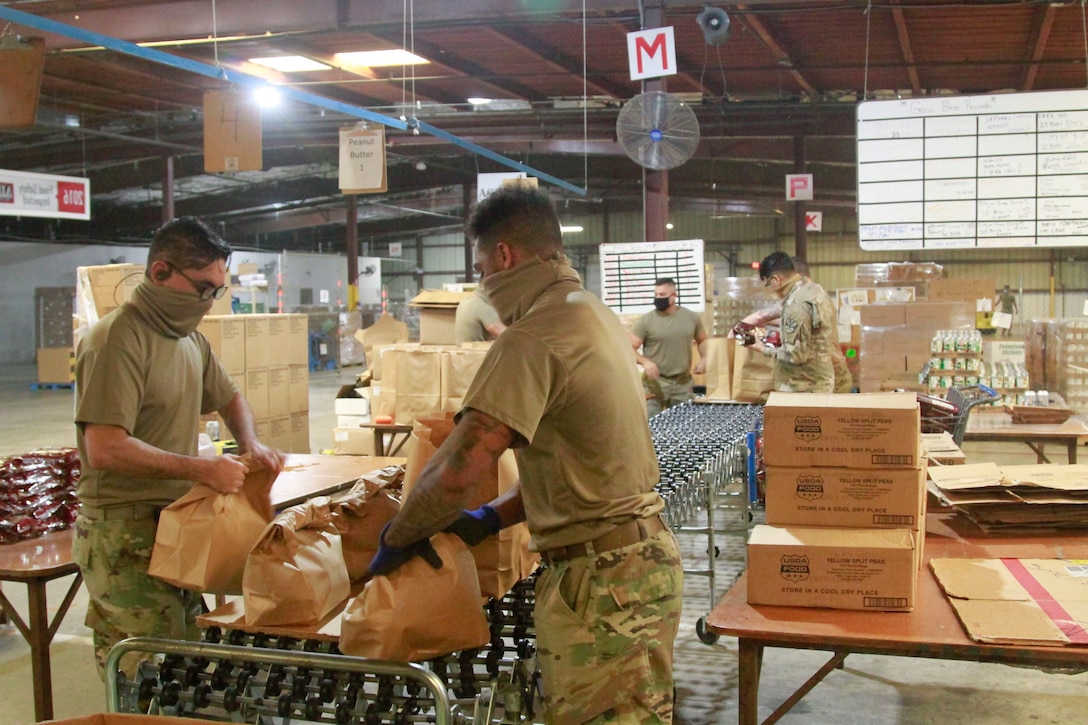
(476, 525)
(390, 558)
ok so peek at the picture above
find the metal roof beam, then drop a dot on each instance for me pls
(908, 52)
(1044, 21)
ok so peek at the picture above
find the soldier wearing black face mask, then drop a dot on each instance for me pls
(665, 336)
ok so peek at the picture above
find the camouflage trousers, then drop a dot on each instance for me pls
(125, 601)
(605, 629)
(664, 393)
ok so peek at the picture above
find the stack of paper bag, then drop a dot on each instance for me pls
(753, 375)
(361, 513)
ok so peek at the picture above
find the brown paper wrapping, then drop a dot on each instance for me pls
(204, 537)
(418, 612)
(361, 513)
(501, 560)
(296, 573)
(753, 375)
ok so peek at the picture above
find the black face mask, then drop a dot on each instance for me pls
(662, 303)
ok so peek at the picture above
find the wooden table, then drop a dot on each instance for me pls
(931, 630)
(997, 426)
(398, 436)
(35, 562)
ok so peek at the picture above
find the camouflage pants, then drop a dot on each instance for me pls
(605, 629)
(664, 393)
(125, 601)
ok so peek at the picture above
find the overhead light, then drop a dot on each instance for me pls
(668, 225)
(290, 63)
(421, 165)
(381, 58)
(570, 228)
(266, 96)
(478, 101)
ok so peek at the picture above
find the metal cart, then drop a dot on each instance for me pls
(949, 414)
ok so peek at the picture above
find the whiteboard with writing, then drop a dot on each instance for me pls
(985, 171)
(629, 270)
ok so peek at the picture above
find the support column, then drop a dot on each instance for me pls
(470, 259)
(800, 234)
(351, 248)
(655, 184)
(167, 188)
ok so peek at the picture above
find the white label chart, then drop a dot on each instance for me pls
(628, 272)
(961, 172)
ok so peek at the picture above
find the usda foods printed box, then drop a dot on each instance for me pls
(808, 566)
(877, 498)
(865, 430)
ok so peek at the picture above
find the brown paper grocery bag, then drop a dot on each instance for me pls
(720, 353)
(361, 513)
(418, 612)
(418, 384)
(501, 560)
(459, 368)
(296, 573)
(204, 537)
(753, 375)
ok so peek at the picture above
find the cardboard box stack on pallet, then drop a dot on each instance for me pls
(845, 505)
(267, 355)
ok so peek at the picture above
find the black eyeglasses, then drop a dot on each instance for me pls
(206, 290)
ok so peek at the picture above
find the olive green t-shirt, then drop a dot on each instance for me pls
(474, 314)
(155, 387)
(563, 377)
(666, 339)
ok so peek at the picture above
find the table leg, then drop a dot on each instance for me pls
(751, 663)
(1072, 447)
(39, 637)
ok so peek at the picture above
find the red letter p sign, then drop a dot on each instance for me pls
(798, 187)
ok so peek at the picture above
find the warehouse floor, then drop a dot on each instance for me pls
(869, 689)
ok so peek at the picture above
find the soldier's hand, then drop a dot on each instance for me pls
(390, 558)
(476, 525)
(226, 473)
(270, 458)
(650, 369)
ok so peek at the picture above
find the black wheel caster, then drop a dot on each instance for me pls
(705, 636)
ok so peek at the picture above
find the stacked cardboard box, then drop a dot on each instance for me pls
(437, 310)
(267, 355)
(895, 340)
(845, 505)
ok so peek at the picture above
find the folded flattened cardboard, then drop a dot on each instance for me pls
(1017, 601)
(808, 566)
(418, 612)
(501, 560)
(204, 537)
(361, 513)
(866, 430)
(857, 497)
(296, 573)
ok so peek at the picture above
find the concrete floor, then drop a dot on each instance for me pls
(868, 690)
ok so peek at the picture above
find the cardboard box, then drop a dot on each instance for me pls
(437, 310)
(298, 388)
(56, 365)
(279, 433)
(995, 351)
(863, 430)
(264, 430)
(300, 433)
(279, 391)
(298, 342)
(257, 345)
(941, 449)
(967, 289)
(352, 421)
(861, 498)
(279, 340)
(256, 392)
(883, 315)
(804, 566)
(352, 442)
(227, 336)
(1017, 601)
(111, 285)
(232, 133)
(353, 405)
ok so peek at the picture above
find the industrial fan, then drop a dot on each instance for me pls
(657, 130)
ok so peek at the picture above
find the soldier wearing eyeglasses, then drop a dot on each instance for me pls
(144, 376)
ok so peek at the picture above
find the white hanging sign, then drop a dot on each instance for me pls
(651, 53)
(798, 187)
(814, 221)
(42, 195)
(362, 160)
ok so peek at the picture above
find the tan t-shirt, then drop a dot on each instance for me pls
(153, 386)
(474, 314)
(666, 339)
(563, 378)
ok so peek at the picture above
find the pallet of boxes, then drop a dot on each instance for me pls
(845, 505)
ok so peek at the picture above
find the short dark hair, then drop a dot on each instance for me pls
(774, 263)
(664, 280)
(521, 216)
(186, 243)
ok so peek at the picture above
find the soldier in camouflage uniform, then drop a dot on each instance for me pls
(802, 364)
(844, 379)
(144, 376)
(560, 387)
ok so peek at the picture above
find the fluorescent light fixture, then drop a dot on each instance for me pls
(668, 225)
(266, 96)
(381, 58)
(478, 101)
(290, 63)
(570, 228)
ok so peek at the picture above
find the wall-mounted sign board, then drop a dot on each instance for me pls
(959, 172)
(44, 195)
(628, 272)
